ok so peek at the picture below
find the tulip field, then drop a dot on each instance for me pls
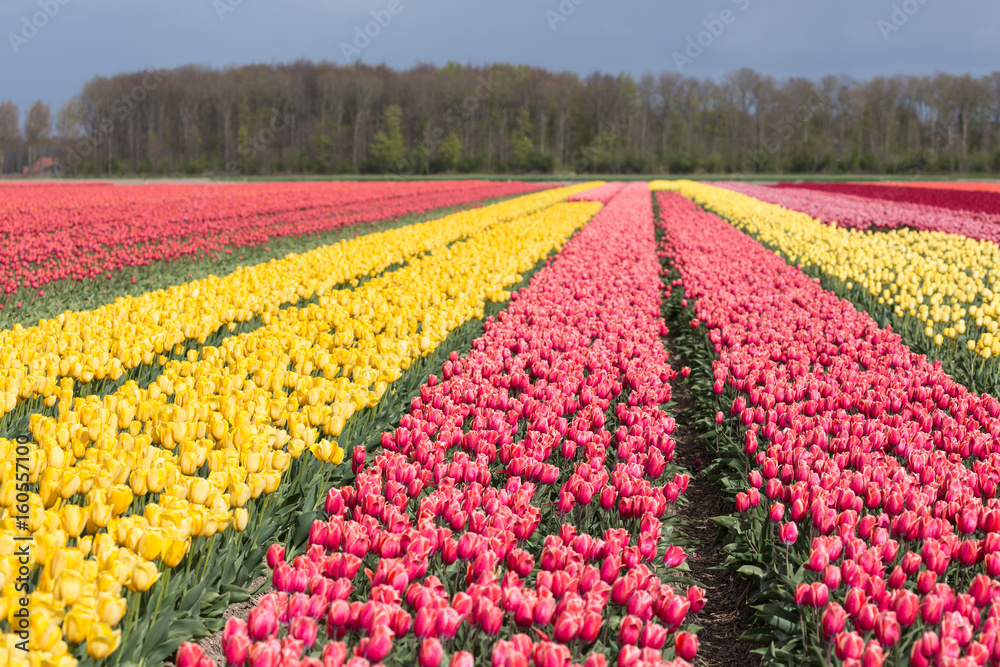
(439, 424)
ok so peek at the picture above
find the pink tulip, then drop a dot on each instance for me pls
(265, 654)
(275, 554)
(431, 653)
(686, 645)
(189, 655)
(788, 533)
(262, 622)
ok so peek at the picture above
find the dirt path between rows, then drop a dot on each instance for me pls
(726, 615)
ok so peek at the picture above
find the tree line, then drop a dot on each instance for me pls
(307, 117)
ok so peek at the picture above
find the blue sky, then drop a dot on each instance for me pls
(79, 39)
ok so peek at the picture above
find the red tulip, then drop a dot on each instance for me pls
(189, 655)
(628, 632)
(334, 654)
(789, 533)
(265, 654)
(887, 629)
(907, 607)
(849, 645)
(674, 556)
(304, 629)
(652, 636)
(872, 656)
(431, 653)
(686, 645)
(696, 596)
(236, 648)
(262, 622)
(462, 659)
(378, 644)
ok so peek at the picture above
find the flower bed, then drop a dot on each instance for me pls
(959, 200)
(856, 212)
(81, 231)
(496, 522)
(864, 477)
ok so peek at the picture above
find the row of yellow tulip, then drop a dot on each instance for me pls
(134, 331)
(221, 427)
(942, 285)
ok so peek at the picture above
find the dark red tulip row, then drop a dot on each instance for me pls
(83, 231)
(856, 212)
(958, 200)
(519, 506)
(603, 193)
(876, 470)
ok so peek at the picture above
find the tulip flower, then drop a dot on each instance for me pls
(189, 655)
(431, 653)
(262, 623)
(674, 556)
(686, 645)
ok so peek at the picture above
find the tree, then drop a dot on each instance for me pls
(70, 120)
(387, 148)
(448, 153)
(496, 117)
(9, 133)
(521, 140)
(37, 128)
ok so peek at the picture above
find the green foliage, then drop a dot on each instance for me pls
(521, 142)
(470, 164)
(681, 163)
(448, 154)
(387, 148)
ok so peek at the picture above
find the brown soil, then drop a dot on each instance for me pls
(726, 615)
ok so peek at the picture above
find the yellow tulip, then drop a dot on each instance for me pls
(100, 517)
(121, 497)
(240, 519)
(69, 586)
(74, 519)
(75, 624)
(338, 455)
(101, 640)
(239, 494)
(144, 575)
(198, 491)
(106, 583)
(150, 545)
(110, 609)
(174, 550)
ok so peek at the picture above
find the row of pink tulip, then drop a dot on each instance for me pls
(603, 193)
(856, 212)
(520, 504)
(877, 471)
(77, 232)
